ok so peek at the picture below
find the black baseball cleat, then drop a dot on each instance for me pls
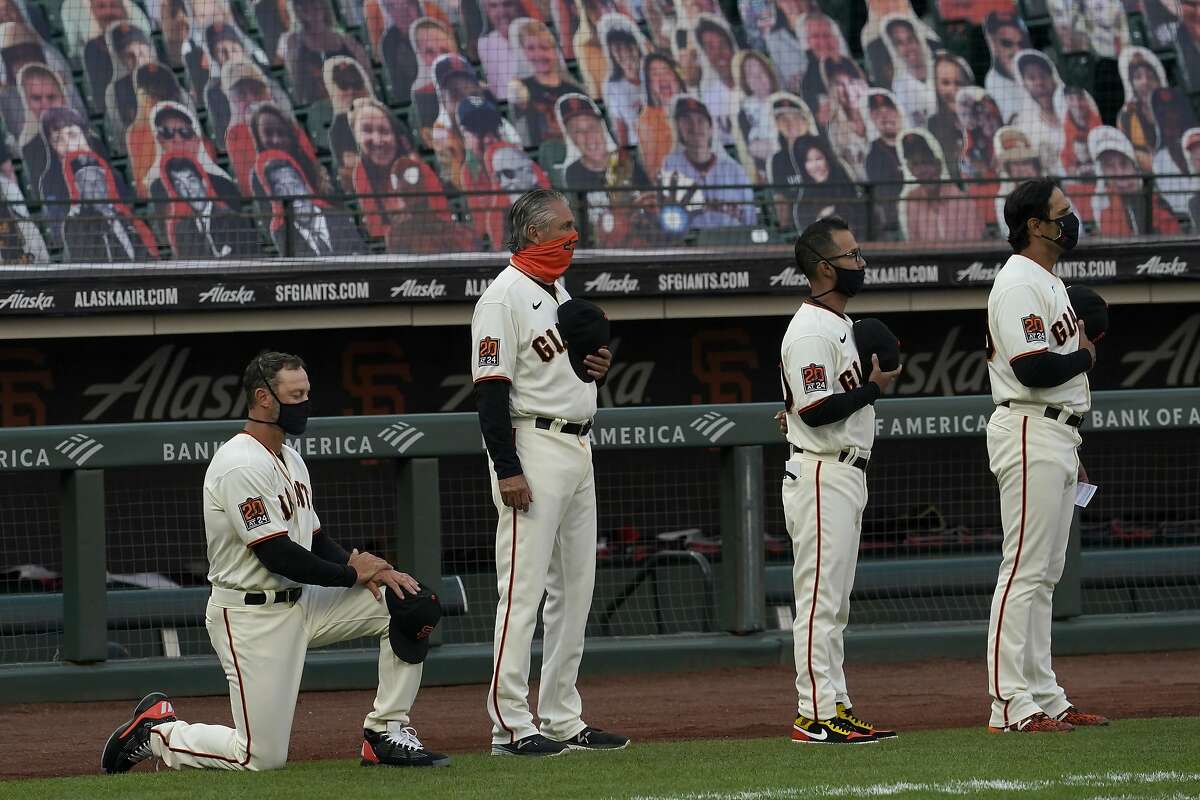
(130, 743)
(595, 739)
(846, 717)
(398, 747)
(532, 746)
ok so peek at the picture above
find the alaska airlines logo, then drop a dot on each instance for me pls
(1156, 266)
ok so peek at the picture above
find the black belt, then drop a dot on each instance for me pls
(1053, 412)
(281, 596)
(859, 462)
(569, 428)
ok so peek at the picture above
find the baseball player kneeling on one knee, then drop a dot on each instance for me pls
(539, 356)
(281, 584)
(829, 383)
(1038, 355)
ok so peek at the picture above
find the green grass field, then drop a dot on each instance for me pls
(1134, 759)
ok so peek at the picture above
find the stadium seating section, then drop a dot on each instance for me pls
(201, 130)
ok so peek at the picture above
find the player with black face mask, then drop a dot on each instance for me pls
(280, 582)
(829, 422)
(293, 417)
(1038, 356)
(1068, 231)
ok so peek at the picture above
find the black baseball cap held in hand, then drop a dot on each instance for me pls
(585, 328)
(872, 337)
(1091, 308)
(414, 616)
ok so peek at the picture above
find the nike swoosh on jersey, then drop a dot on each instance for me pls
(537, 305)
(824, 734)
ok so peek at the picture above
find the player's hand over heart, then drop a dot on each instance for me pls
(514, 492)
(399, 582)
(880, 378)
(598, 363)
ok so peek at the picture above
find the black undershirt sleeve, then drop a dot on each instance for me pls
(284, 557)
(495, 421)
(1043, 370)
(837, 407)
(325, 547)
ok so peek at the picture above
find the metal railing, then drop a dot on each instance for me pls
(314, 227)
(83, 456)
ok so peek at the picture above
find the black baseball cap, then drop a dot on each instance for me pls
(479, 115)
(451, 64)
(585, 327)
(414, 616)
(880, 100)
(125, 34)
(690, 105)
(575, 105)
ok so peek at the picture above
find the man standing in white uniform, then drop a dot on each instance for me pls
(535, 412)
(279, 586)
(830, 426)
(1038, 356)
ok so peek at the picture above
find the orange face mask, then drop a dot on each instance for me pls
(547, 262)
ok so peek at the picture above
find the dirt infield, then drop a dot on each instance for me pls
(65, 738)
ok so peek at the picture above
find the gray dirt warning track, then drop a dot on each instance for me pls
(736, 703)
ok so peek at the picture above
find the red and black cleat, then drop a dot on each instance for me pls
(130, 743)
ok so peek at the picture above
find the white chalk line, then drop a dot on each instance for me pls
(1099, 780)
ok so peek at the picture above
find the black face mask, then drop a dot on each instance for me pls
(293, 417)
(1068, 231)
(846, 281)
(849, 281)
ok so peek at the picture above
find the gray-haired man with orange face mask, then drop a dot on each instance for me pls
(535, 411)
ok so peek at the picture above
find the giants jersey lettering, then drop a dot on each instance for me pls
(820, 359)
(251, 495)
(516, 339)
(1029, 312)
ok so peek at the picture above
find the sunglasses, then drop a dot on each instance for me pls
(1009, 42)
(509, 174)
(187, 134)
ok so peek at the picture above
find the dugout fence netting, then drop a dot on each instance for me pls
(929, 551)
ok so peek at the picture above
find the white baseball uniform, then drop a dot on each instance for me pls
(823, 499)
(250, 495)
(550, 549)
(1035, 463)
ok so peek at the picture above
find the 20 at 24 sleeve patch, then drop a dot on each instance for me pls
(254, 512)
(814, 378)
(1035, 329)
(489, 352)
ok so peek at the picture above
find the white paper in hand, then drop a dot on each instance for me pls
(1084, 493)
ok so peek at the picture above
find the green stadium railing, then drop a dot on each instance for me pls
(740, 588)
